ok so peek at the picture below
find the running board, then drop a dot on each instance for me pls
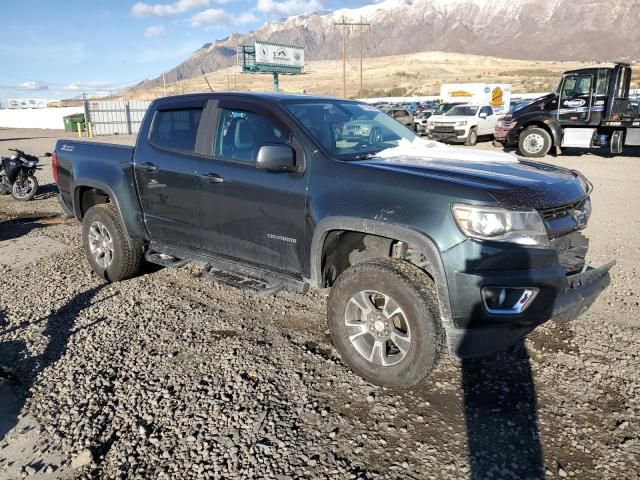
(235, 273)
(228, 278)
(164, 259)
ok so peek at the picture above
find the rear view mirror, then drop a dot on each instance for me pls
(276, 158)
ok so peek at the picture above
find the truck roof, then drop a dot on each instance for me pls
(264, 96)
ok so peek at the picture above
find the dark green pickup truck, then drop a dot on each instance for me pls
(423, 247)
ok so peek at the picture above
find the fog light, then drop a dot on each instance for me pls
(508, 300)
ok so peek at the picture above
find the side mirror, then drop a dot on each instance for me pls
(276, 158)
(483, 115)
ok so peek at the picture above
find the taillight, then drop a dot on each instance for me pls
(54, 166)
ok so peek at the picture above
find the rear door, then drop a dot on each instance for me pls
(576, 96)
(165, 169)
(249, 214)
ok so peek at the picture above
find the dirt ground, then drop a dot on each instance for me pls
(85, 369)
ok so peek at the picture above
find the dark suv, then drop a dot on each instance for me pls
(421, 247)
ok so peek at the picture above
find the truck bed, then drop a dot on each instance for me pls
(78, 161)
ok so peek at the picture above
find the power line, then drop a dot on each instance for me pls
(344, 24)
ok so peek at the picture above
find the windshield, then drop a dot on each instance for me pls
(349, 130)
(462, 111)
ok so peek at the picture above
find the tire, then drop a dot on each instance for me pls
(21, 196)
(534, 142)
(414, 293)
(472, 139)
(102, 222)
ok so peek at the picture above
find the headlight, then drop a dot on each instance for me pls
(461, 123)
(501, 225)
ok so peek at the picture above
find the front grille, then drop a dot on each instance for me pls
(560, 211)
(444, 128)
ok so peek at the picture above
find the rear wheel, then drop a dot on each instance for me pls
(106, 245)
(383, 319)
(534, 142)
(24, 188)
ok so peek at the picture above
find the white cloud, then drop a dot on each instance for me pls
(217, 16)
(211, 16)
(86, 86)
(141, 9)
(289, 7)
(34, 86)
(246, 17)
(155, 31)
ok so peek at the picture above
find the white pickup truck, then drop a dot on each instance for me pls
(463, 123)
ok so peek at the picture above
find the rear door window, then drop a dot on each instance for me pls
(176, 129)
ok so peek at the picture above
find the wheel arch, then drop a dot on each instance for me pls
(96, 193)
(430, 259)
(550, 126)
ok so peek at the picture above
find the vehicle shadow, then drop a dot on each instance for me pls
(11, 229)
(501, 411)
(19, 371)
(500, 398)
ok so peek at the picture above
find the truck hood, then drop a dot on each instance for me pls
(514, 183)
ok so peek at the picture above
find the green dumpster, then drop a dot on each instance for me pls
(71, 122)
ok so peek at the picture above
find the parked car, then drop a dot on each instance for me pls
(418, 245)
(402, 116)
(420, 121)
(463, 123)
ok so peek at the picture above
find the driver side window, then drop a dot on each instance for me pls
(576, 86)
(240, 134)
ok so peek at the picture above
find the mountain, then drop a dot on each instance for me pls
(589, 30)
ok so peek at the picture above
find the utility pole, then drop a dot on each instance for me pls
(344, 24)
(164, 84)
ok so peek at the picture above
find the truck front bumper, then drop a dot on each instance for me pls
(451, 136)
(576, 296)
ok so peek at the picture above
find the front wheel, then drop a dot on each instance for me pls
(472, 139)
(24, 188)
(534, 142)
(110, 253)
(383, 319)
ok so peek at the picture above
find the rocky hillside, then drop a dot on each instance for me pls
(520, 29)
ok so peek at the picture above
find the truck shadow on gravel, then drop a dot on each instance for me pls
(21, 370)
(16, 228)
(501, 412)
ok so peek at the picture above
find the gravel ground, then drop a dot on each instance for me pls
(169, 375)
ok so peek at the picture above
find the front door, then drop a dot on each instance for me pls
(165, 169)
(246, 213)
(575, 99)
(486, 122)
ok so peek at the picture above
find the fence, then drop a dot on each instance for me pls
(109, 117)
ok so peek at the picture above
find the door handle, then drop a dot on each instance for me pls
(213, 178)
(149, 167)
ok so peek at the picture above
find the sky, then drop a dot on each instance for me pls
(54, 49)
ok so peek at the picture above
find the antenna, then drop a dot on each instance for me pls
(206, 79)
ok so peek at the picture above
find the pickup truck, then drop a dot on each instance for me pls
(463, 124)
(422, 247)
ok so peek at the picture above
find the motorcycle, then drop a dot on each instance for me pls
(17, 175)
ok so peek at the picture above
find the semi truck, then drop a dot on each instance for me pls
(591, 108)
